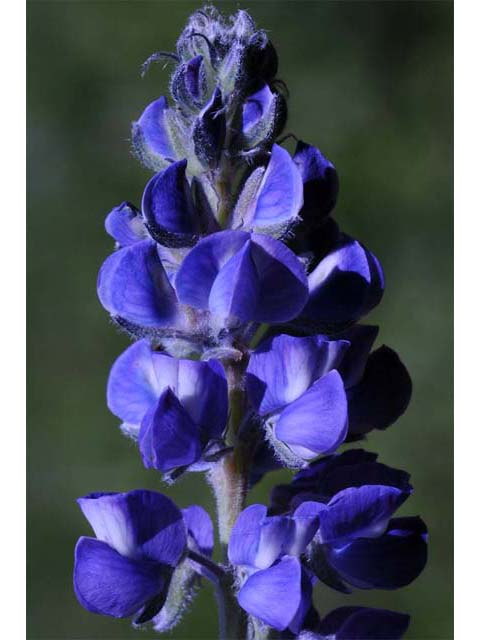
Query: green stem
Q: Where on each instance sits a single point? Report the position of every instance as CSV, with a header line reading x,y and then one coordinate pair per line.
x,y
258,335
232,620
229,481
229,477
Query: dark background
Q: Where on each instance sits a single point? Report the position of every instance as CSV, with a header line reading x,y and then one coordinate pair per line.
x,y
371,85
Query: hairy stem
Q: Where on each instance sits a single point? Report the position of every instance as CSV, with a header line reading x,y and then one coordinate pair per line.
x,y
232,620
229,480
229,476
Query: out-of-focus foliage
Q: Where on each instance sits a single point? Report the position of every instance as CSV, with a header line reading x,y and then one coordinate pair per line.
x,y
371,85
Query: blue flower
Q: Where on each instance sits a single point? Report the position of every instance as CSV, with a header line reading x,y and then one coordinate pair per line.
x,y
378,385
141,539
272,197
277,589
280,596
234,275
303,388
258,540
176,408
235,241
146,285
134,288
294,385
358,542
345,279
344,286
169,211
241,276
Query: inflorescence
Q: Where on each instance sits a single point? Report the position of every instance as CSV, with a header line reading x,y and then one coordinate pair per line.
x,y
243,297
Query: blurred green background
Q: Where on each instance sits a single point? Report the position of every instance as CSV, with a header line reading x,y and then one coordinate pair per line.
x,y
371,85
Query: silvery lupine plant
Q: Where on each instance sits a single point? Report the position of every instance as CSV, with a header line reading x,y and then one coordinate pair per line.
x,y
242,298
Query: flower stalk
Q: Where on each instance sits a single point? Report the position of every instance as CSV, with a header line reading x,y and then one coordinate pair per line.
x,y
229,478
243,298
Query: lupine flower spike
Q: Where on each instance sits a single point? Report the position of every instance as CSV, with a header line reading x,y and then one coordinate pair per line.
x,y
242,298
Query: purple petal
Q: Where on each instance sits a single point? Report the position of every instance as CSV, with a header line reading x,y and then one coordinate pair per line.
x,y
317,471
133,386
202,390
277,536
327,477
124,223
377,286
200,528
284,367
243,543
313,480
313,243
305,606
138,523
364,623
389,562
107,583
361,339
306,526
168,437
141,375
201,266
168,208
133,285
316,422
382,395
280,195
150,133
355,475
256,106
310,509
257,540
236,289
320,182
274,595
345,285
283,282
360,512
257,271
